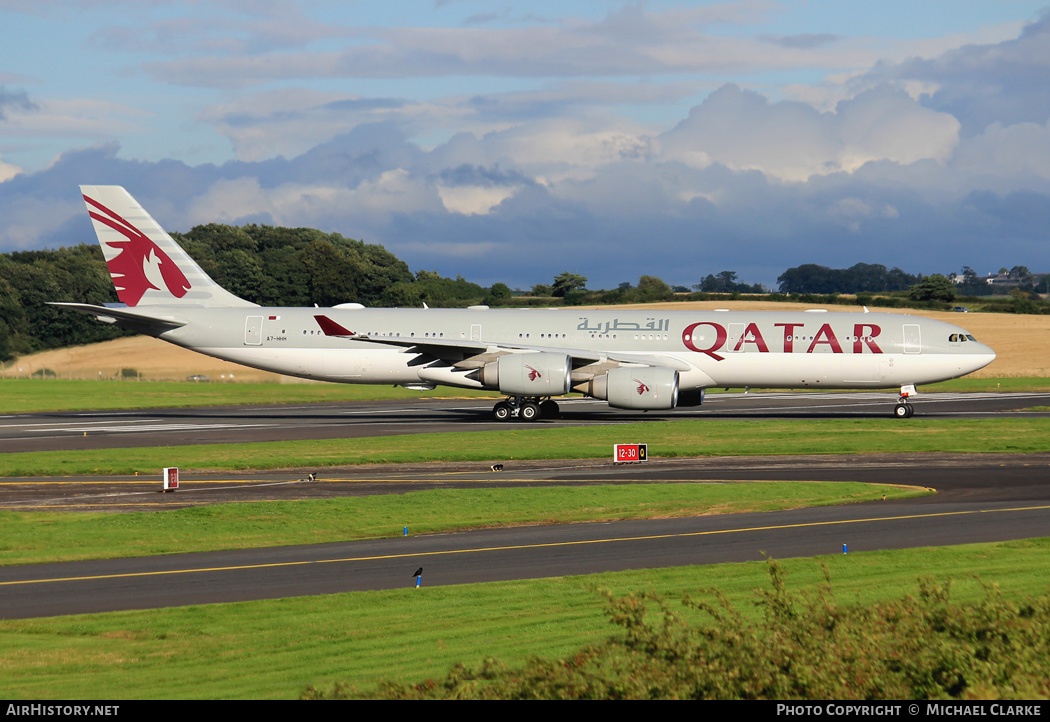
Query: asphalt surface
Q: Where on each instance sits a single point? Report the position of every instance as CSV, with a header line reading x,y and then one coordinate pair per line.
x,y
217,425
980,498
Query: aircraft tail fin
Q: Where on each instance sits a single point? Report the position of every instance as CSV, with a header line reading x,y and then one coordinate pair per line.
x,y
147,266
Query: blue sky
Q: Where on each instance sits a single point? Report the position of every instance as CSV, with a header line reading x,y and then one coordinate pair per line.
x,y
508,141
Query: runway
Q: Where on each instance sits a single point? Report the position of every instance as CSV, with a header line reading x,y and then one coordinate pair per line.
x,y
236,424
981,498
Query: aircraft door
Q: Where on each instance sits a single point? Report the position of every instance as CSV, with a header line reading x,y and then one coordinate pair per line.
x,y
736,330
253,331
912,338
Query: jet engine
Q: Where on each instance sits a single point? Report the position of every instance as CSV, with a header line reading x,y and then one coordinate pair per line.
x,y
528,374
636,388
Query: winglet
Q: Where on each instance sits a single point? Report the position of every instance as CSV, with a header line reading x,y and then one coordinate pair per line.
x,y
331,328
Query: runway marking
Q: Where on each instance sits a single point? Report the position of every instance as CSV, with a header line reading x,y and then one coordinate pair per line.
x,y
156,426
33,504
448,552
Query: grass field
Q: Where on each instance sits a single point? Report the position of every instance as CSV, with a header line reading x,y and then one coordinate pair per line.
x,y
40,395
274,649
31,537
678,438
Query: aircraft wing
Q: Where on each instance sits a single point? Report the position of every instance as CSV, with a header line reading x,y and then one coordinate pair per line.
x,y
447,348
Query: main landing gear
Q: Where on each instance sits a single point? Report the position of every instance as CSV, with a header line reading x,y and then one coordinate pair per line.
x,y
526,408
904,410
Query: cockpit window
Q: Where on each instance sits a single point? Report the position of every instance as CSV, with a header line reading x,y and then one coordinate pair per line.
x,y
954,338
970,337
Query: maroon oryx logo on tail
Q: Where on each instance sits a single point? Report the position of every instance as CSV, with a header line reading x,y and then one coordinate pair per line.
x,y
642,388
141,264
533,373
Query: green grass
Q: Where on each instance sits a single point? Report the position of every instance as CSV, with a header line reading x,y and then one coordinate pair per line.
x,y
274,649
31,537
970,384
32,395
678,438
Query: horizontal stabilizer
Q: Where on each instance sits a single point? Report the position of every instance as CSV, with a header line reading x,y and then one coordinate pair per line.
x,y
148,321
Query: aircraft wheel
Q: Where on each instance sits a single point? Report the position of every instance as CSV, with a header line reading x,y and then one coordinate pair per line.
x,y
549,409
903,411
501,411
530,412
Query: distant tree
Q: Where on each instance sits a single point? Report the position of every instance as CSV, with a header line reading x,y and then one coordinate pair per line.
x,y
565,282
1024,301
651,288
725,282
577,297
1019,272
1042,284
861,277
540,289
500,291
972,284
936,287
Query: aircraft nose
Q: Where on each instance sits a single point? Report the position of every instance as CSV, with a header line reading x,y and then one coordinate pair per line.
x,y
983,356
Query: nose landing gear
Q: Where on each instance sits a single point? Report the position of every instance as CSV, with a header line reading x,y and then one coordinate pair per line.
x,y
904,410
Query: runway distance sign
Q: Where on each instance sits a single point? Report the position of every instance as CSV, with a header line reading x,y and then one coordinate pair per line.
x,y
171,478
630,453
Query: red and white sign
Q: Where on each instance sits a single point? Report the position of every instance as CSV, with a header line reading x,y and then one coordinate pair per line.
x,y
630,453
171,478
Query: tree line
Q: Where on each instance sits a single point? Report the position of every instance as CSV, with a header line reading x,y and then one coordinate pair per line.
x,y
264,264
275,266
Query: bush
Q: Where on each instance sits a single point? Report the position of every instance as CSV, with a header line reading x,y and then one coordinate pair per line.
x,y
809,647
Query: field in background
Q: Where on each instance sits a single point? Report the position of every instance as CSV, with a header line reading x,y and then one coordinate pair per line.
x,y
1021,341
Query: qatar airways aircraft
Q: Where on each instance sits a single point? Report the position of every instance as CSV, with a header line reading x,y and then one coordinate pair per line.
x,y
645,359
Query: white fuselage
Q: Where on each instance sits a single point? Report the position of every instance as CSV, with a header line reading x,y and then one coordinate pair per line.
x,y
811,349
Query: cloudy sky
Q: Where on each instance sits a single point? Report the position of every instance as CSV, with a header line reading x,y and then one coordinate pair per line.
x,y
510,141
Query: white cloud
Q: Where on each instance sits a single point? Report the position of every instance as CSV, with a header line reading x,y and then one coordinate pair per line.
x,y
793,141
883,124
226,201
81,118
1018,151
8,171
630,41
472,200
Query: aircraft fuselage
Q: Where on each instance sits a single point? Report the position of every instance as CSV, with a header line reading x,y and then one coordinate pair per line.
x,y
714,348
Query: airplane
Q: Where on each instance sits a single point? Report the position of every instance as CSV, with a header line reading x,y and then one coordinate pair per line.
x,y
649,360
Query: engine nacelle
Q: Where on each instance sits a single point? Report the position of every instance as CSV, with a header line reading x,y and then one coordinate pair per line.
x,y
529,374
649,388
690,397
